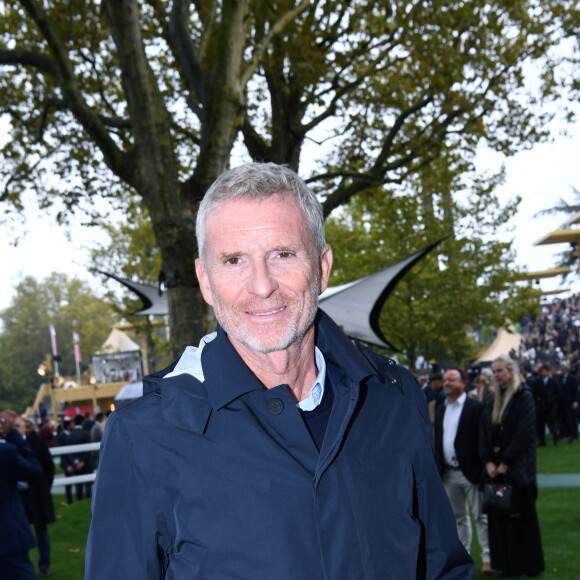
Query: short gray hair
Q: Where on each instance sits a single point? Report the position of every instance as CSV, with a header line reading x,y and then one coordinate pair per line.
x,y
260,181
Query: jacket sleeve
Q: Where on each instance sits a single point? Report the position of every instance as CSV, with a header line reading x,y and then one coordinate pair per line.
x,y
445,557
484,439
525,428
122,541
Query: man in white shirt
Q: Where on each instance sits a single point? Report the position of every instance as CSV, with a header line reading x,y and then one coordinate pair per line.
x,y
456,434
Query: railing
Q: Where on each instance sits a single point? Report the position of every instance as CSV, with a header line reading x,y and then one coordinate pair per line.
x,y
65,450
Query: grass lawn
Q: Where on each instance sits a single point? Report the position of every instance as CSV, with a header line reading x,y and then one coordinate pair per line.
x,y
558,510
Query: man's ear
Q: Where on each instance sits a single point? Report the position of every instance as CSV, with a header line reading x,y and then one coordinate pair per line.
x,y
325,267
203,281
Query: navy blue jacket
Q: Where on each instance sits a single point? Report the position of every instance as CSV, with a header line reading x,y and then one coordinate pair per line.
x,y
17,463
221,479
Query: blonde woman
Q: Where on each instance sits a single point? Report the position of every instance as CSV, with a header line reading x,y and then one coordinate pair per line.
x,y
507,445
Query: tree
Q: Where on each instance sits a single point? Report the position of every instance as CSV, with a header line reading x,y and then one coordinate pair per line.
x,y
68,304
461,284
151,96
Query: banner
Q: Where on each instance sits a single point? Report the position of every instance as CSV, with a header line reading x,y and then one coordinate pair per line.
x,y
76,339
53,340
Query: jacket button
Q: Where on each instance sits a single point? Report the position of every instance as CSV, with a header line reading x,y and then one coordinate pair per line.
x,y
391,362
275,406
394,381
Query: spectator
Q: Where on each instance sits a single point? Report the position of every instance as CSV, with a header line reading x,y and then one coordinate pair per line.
x,y
37,497
97,431
570,400
17,463
66,462
81,460
456,453
483,387
508,450
552,397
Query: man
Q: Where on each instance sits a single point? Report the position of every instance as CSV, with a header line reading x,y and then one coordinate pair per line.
x,y
80,462
456,440
434,394
66,462
279,448
36,497
570,400
17,463
552,395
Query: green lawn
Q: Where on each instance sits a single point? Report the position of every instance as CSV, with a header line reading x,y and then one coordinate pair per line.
x,y
68,536
558,510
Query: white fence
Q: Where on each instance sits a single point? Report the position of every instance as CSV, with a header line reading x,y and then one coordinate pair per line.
x,y
65,450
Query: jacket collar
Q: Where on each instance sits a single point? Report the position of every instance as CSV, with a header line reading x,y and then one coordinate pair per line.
x,y
188,402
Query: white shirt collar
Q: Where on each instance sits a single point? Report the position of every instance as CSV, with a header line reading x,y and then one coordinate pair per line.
x,y
459,402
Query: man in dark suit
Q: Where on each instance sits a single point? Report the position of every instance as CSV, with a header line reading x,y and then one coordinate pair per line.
x,y
17,463
36,496
81,461
552,397
456,433
570,400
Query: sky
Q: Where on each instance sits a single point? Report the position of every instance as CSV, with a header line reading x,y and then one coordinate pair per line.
x,y
541,176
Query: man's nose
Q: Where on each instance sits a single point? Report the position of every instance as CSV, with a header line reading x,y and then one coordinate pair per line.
x,y
262,281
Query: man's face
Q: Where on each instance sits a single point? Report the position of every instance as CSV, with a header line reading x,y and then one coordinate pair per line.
x,y
261,273
453,386
20,425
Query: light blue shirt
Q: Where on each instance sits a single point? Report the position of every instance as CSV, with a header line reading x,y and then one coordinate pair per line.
x,y
317,391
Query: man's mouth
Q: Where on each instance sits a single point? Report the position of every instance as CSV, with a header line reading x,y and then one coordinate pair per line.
x,y
269,313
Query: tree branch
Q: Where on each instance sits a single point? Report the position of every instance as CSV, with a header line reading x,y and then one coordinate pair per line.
x,y
28,58
184,52
277,27
65,76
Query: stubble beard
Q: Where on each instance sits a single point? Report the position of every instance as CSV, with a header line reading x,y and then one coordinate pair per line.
x,y
293,334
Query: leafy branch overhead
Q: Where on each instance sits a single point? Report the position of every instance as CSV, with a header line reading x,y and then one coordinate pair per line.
x,y
110,96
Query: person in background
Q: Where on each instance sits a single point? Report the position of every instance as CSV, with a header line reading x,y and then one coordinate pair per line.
x,y
553,396
36,495
457,457
80,460
507,446
66,463
483,387
570,400
279,449
97,431
17,463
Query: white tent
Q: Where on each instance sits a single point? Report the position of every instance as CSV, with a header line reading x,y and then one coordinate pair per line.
x,y
118,341
502,344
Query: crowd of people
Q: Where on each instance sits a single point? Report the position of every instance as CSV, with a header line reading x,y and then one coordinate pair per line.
x,y
27,471
487,423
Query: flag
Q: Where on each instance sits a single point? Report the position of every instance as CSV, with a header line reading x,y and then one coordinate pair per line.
x,y
53,340
78,357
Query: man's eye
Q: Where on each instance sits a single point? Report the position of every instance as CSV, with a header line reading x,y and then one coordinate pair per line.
x,y
284,254
233,261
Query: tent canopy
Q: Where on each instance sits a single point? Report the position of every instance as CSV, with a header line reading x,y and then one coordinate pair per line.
x,y
502,344
118,341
